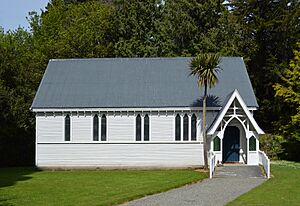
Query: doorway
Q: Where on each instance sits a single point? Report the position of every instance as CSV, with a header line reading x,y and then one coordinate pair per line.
x,y
231,145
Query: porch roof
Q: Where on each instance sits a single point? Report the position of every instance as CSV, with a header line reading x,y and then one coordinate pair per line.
x,y
229,100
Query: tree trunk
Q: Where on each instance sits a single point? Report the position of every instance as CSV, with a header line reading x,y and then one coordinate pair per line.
x,y
204,129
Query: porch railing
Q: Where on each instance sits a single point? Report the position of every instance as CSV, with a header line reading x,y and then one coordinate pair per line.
x,y
212,163
265,162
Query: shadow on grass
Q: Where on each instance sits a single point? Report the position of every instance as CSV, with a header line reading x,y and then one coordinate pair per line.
x,y
291,151
5,202
10,176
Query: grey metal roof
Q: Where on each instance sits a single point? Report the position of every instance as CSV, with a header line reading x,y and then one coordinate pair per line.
x,y
136,82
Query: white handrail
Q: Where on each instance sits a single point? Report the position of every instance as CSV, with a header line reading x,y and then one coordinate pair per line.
x,y
265,162
212,163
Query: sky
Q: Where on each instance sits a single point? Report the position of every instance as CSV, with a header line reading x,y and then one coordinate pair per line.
x,y
13,13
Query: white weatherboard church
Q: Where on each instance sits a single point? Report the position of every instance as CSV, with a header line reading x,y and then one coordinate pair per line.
x,y
142,112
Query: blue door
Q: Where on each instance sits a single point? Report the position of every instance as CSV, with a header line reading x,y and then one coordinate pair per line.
x,y
231,144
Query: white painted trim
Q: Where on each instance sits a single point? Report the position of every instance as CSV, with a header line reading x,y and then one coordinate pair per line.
x,y
235,95
126,142
140,109
142,127
190,126
181,126
36,140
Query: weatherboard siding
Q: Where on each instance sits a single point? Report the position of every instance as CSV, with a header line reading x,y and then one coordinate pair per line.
x,y
120,149
121,128
50,128
162,128
118,155
81,128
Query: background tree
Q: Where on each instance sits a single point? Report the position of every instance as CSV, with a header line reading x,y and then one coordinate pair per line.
x,y
74,30
205,68
288,93
136,24
270,31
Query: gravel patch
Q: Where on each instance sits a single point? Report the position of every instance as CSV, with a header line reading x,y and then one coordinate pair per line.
x,y
228,183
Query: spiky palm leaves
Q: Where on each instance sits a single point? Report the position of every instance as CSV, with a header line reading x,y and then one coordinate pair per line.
x,y
205,67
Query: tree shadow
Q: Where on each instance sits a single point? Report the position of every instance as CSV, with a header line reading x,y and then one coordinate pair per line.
x,y
10,176
291,151
5,202
211,101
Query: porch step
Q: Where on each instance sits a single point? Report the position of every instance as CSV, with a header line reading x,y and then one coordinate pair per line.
x,y
239,171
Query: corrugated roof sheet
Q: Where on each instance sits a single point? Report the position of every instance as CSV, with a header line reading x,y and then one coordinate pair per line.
x,y
136,82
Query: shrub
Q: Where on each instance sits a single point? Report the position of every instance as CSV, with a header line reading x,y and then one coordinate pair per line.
x,y
271,145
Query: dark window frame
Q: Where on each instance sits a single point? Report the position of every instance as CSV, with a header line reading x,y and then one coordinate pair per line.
x,y
67,128
185,127
252,143
103,127
177,128
138,128
217,144
146,128
95,128
193,127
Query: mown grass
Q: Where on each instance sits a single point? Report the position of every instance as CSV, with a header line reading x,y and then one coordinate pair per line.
x,y
282,189
26,186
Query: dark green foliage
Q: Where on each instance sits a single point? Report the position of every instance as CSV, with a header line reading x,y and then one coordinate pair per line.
x,y
17,146
74,30
288,93
270,30
290,150
271,145
137,27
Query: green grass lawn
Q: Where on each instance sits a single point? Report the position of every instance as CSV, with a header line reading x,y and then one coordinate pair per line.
x,y
282,189
26,186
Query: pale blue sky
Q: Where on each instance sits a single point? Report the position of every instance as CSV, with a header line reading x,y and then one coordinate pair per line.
x,y
13,13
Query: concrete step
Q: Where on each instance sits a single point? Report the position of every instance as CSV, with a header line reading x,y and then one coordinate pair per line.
x,y
238,171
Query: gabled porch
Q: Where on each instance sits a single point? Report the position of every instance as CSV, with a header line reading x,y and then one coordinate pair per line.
x,y
234,135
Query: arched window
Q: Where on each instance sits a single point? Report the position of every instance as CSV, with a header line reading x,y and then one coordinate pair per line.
x,y
217,144
103,128
177,128
67,128
96,128
252,143
146,128
185,127
138,128
194,128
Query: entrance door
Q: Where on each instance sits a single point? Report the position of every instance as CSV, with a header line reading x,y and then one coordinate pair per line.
x,y
231,144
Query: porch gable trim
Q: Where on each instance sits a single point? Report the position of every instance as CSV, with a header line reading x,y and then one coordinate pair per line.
x,y
235,95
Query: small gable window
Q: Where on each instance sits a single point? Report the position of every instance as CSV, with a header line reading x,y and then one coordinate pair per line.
x,y
67,128
177,127
138,128
194,128
252,143
146,128
217,144
103,127
96,128
185,127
